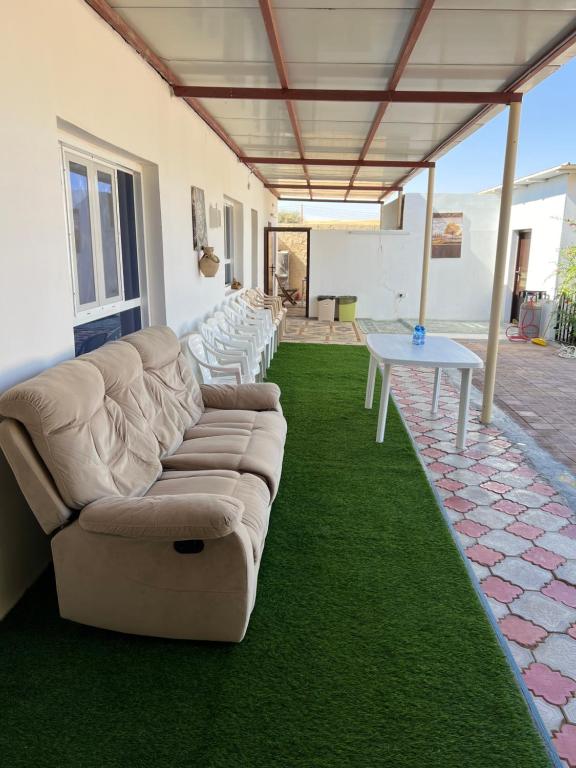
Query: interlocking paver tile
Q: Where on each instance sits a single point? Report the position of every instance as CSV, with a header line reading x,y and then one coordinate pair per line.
x,y
490,517
559,590
542,610
433,453
495,487
570,711
560,545
503,465
522,656
457,461
558,509
509,478
466,477
498,609
565,743
470,528
558,652
480,571
449,485
510,507
526,575
567,572
459,504
500,590
483,469
527,498
549,684
569,530
440,468
542,520
479,496
484,555
552,716
505,542
521,528
543,557
542,488
524,632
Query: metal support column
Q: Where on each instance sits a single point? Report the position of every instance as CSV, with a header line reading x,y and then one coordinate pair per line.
x,y
427,245
501,261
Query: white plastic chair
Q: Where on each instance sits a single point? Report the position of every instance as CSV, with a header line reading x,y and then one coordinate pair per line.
x,y
248,327
239,315
211,373
258,299
233,333
265,314
229,351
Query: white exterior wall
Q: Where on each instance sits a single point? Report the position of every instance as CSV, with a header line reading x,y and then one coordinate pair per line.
x,y
66,65
378,266
542,209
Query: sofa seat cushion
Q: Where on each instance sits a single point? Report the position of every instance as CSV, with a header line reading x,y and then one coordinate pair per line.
x,y
243,441
219,421
250,490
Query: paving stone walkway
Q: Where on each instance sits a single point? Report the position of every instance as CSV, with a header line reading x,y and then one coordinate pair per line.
x,y
519,535
303,330
538,390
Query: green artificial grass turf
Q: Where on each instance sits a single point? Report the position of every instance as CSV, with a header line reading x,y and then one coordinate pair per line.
x,y
367,648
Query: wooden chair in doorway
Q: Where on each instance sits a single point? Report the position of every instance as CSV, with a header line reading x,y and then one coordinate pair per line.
x,y
286,294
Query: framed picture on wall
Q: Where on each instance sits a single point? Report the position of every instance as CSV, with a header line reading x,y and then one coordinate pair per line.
x,y
447,235
199,230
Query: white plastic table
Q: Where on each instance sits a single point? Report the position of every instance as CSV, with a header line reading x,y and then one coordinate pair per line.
x,y
388,349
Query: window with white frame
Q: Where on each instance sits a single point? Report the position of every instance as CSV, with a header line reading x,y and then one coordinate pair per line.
x,y
228,243
102,207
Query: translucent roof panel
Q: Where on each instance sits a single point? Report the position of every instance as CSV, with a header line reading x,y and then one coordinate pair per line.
x,y
462,45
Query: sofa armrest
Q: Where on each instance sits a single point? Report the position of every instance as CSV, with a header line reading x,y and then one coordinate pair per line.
x,y
243,397
164,518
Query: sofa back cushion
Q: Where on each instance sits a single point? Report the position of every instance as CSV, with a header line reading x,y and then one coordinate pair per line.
x,y
174,400
91,446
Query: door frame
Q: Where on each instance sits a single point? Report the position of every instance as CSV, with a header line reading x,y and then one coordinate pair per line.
x,y
267,287
520,236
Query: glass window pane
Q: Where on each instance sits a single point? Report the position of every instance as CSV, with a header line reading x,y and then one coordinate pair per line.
x,y
82,233
90,336
108,234
128,237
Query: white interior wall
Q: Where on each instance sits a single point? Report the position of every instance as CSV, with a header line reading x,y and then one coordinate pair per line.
x,y
67,66
379,266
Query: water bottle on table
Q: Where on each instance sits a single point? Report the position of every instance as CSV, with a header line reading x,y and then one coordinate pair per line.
x,y
419,335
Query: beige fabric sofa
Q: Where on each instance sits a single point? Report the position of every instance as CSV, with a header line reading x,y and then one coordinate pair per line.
x,y
156,491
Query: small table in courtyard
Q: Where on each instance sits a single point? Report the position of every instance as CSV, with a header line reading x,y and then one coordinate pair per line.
x,y
388,349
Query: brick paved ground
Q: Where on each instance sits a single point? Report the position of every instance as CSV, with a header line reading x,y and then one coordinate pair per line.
x,y
538,390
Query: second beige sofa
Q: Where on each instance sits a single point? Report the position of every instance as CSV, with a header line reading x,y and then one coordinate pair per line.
x,y
156,491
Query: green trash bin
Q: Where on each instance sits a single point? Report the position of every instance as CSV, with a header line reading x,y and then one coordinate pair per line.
x,y
347,308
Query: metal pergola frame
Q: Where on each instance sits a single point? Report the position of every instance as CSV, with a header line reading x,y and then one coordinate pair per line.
x,y
509,95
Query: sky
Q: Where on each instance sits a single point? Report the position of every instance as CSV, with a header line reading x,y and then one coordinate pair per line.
x,y
547,138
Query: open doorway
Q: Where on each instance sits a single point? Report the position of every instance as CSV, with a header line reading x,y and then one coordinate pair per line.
x,y
520,271
287,267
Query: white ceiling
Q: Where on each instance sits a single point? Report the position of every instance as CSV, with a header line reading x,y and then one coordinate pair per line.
x,y
468,45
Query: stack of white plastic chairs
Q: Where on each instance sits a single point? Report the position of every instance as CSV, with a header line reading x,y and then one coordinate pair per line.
x,y
236,345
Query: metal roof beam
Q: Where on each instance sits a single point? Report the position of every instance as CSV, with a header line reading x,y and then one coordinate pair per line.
x,y
327,200
278,55
335,187
336,162
119,25
312,94
418,22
